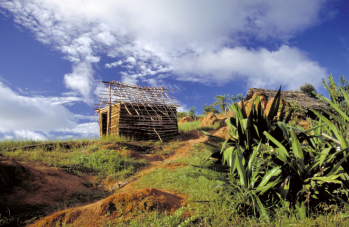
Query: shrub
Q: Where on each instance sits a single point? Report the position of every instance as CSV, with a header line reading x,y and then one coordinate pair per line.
x,y
208,109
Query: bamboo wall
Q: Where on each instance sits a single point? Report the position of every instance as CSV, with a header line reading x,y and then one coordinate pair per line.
x,y
139,121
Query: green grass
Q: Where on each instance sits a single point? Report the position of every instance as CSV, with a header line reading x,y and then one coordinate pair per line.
x,y
105,163
210,206
10,144
186,127
82,157
209,127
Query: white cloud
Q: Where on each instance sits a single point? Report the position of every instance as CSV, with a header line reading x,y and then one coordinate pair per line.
x,y
62,100
131,60
183,108
129,79
7,137
85,117
81,80
150,35
113,64
40,118
85,129
31,113
260,68
28,135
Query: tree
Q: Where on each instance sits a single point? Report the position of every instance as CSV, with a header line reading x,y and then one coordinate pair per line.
x,y
309,89
209,109
191,111
236,99
181,114
222,101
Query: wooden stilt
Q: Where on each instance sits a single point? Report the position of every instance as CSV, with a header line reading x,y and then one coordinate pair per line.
x,y
109,112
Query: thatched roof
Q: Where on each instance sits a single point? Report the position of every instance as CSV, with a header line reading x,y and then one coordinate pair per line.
x,y
303,99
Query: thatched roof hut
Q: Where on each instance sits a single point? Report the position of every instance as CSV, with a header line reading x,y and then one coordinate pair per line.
x,y
137,112
302,99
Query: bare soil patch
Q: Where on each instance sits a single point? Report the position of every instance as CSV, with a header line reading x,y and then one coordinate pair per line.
x,y
186,119
210,119
26,190
223,132
23,185
124,204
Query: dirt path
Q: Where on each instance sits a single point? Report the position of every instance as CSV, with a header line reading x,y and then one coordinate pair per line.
x,y
128,202
157,162
47,187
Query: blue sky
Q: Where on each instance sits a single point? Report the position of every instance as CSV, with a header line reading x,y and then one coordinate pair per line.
x,y
54,53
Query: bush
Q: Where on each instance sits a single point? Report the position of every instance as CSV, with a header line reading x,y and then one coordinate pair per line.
x,y
181,114
308,89
209,108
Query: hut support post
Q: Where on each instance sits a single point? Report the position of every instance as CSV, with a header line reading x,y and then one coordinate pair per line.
x,y
109,111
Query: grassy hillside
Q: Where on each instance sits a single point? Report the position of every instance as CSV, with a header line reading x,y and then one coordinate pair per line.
x,y
105,160
272,171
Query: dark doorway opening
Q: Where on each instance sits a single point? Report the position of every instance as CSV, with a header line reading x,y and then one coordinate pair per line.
x,y
104,123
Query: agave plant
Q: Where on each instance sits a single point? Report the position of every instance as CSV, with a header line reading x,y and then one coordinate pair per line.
x,y
310,177
247,132
243,155
339,128
272,163
255,179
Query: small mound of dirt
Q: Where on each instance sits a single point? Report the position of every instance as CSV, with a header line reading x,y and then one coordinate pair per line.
x,y
270,102
222,123
262,97
25,187
265,103
222,116
230,113
12,174
186,119
210,119
193,134
223,132
124,204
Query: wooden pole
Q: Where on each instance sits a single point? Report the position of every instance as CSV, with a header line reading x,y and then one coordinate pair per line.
x,y
109,111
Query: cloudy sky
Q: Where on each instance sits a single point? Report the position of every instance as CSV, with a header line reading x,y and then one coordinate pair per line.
x,y
54,54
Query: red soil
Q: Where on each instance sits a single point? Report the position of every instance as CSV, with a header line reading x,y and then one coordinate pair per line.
x,y
180,152
222,116
124,204
23,186
186,119
223,132
210,119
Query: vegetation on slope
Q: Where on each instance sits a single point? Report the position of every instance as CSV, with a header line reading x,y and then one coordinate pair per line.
x,y
270,172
